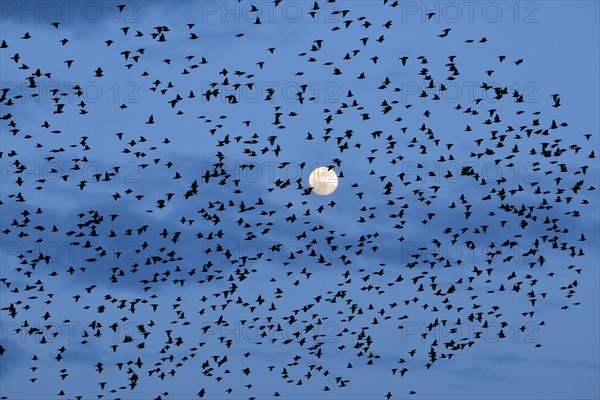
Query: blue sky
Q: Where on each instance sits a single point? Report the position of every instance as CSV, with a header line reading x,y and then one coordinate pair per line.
x,y
558,42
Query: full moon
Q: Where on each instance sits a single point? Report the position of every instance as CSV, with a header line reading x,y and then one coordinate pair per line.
x,y
323,181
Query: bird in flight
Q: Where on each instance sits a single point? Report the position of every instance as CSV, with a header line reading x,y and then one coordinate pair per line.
x,y
162,237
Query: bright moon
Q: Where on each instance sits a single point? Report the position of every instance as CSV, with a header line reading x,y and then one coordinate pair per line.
x,y
323,181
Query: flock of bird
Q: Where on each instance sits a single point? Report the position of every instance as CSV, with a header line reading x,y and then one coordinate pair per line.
x,y
183,286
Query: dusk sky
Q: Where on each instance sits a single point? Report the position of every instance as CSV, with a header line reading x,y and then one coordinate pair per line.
x,y
155,229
